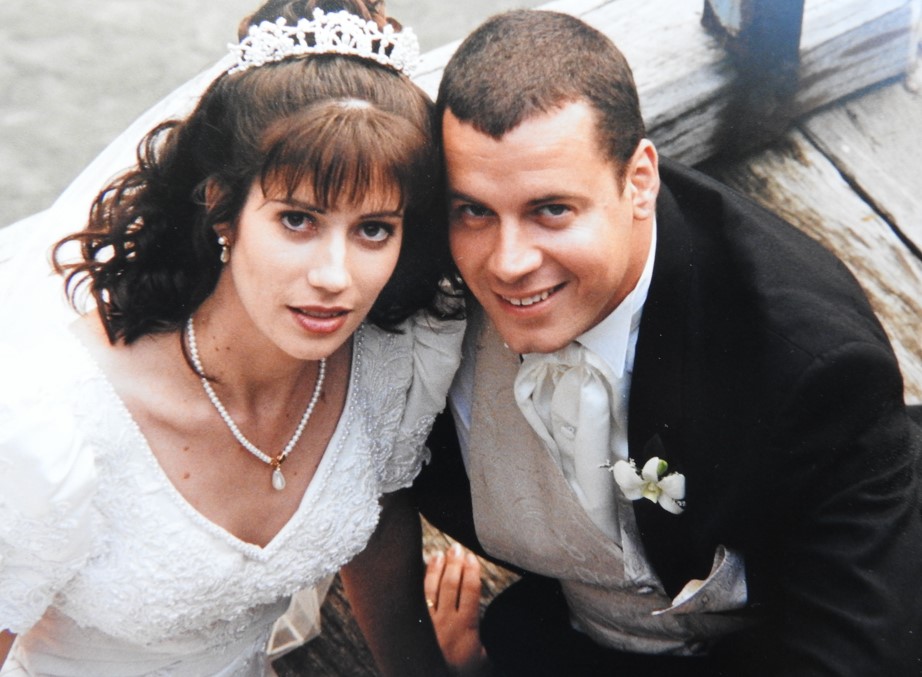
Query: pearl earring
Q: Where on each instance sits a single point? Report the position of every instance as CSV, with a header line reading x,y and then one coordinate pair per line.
x,y
225,248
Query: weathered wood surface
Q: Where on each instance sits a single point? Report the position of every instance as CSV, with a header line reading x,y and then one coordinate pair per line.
x,y
340,650
847,46
875,141
796,180
687,81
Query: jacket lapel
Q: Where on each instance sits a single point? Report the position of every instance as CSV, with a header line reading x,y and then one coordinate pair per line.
x,y
655,418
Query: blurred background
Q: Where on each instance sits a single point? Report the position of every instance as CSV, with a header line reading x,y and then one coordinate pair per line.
x,y
74,74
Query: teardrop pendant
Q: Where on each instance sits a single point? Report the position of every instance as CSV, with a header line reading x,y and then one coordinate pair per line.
x,y
278,479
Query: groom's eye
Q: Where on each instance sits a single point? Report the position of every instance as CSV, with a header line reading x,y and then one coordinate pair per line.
x,y
554,210
477,211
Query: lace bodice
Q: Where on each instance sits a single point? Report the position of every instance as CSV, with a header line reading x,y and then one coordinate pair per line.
x,y
97,545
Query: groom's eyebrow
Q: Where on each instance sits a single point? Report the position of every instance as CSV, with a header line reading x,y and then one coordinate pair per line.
x,y
458,195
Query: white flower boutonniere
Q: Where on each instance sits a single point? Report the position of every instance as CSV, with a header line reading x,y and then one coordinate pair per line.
x,y
651,483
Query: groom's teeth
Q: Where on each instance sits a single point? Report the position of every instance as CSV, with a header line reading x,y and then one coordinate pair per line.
x,y
530,300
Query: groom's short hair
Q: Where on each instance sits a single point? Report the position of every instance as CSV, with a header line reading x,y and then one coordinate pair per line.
x,y
527,62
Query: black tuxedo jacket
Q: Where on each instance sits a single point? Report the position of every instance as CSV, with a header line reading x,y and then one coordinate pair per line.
x,y
762,374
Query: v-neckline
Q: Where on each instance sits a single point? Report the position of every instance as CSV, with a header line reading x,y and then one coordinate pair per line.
x,y
327,460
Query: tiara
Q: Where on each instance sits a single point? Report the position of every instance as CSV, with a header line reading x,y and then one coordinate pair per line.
x,y
335,33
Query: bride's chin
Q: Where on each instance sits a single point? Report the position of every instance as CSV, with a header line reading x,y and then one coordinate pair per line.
x,y
314,351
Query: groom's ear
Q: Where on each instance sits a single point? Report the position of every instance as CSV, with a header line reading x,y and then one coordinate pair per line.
x,y
643,180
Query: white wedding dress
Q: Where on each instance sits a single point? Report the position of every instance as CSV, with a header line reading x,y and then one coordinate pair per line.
x,y
105,570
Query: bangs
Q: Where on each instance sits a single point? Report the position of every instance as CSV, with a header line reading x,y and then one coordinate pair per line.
x,y
347,150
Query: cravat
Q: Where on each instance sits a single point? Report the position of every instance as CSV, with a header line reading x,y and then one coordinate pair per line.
x,y
566,397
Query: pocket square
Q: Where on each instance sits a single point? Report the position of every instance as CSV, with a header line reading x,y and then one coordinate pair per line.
x,y
723,590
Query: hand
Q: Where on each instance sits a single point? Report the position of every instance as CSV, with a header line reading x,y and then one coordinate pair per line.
x,y
452,587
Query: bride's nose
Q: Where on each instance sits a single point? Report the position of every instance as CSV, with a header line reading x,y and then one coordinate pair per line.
x,y
329,270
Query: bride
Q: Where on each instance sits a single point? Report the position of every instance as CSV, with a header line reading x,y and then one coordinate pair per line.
x,y
263,341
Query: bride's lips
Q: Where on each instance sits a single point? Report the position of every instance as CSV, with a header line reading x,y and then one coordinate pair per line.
x,y
320,319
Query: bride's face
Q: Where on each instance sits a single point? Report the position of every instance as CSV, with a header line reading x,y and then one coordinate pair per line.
x,y
305,277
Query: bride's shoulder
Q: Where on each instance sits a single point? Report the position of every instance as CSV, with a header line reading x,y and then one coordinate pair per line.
x,y
402,380
420,337
423,352
38,365
44,459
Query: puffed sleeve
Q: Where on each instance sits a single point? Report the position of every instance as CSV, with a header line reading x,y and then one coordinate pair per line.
x,y
435,356
47,481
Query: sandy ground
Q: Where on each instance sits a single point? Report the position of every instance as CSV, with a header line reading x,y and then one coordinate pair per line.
x,y
74,73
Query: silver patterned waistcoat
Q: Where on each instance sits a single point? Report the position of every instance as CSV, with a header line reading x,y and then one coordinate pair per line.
x,y
526,513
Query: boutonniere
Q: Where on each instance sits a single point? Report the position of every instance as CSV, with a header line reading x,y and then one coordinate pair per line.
x,y
651,483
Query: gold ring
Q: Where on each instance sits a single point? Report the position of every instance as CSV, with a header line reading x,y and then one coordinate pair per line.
x,y
429,603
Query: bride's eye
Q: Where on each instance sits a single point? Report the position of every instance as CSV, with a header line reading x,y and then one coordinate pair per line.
x,y
296,220
376,231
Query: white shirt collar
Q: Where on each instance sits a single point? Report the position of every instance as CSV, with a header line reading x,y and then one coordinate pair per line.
x,y
610,339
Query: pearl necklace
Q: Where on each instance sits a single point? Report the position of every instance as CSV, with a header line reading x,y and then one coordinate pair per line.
x,y
278,479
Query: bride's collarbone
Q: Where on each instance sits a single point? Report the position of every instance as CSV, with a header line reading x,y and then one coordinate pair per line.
x,y
226,483
193,446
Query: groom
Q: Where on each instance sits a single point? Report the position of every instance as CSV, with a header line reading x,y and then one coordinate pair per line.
x,y
677,416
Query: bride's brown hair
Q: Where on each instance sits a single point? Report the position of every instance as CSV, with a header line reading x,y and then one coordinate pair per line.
x,y
149,254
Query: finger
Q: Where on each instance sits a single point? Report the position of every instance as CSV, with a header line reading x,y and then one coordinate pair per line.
x,y
450,587
469,594
433,580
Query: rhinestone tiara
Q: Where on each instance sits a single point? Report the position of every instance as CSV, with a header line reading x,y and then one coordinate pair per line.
x,y
334,33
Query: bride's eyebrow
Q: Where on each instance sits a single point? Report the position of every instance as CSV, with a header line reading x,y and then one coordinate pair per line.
x,y
396,214
309,207
298,204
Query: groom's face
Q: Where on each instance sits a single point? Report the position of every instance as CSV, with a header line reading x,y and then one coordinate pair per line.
x,y
543,232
